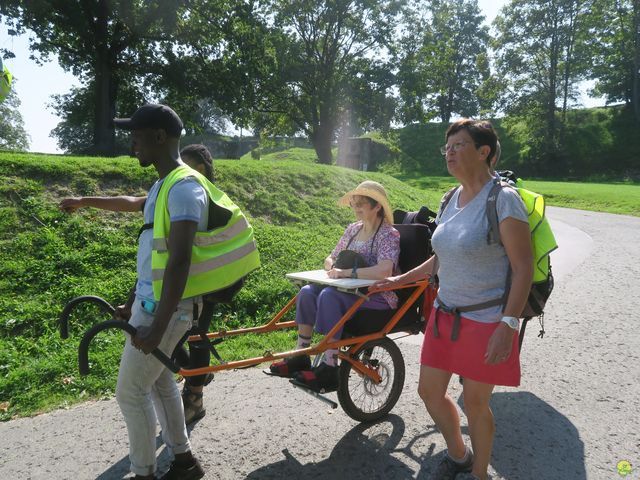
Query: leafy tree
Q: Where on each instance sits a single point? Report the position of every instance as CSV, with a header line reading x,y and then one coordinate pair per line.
x,y
74,133
614,43
320,52
218,64
12,133
370,104
538,54
200,56
105,43
443,62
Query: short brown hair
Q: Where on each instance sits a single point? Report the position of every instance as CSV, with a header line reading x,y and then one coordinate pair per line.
x,y
481,131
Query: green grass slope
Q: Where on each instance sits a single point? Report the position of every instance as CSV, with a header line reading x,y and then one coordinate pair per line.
x,y
50,257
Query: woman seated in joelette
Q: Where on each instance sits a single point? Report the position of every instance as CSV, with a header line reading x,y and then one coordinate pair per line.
x,y
372,236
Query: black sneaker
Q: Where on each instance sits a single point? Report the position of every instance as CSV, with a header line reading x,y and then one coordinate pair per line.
x,y
321,379
288,367
181,472
447,469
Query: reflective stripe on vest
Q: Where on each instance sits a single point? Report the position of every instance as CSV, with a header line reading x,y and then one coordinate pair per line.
x,y
213,263
219,258
160,244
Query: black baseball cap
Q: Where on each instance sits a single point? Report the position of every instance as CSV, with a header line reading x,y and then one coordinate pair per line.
x,y
152,115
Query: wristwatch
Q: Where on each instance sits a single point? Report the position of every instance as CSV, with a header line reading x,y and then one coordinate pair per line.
x,y
513,322
354,272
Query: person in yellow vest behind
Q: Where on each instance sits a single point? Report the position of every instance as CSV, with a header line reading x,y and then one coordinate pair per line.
x,y
179,259
5,81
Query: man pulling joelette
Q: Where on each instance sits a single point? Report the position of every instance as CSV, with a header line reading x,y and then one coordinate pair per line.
x,y
195,240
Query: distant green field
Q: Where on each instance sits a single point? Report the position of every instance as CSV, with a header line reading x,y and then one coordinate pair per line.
x,y
620,198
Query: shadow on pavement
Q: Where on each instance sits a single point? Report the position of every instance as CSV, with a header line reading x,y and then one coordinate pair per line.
x,y
533,440
121,469
363,453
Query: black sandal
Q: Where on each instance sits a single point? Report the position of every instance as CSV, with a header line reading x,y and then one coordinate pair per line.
x,y
290,366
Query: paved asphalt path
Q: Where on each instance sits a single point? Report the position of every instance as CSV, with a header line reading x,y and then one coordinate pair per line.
x,y
575,416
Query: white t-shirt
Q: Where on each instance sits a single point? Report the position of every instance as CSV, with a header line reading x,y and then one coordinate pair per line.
x,y
187,201
472,271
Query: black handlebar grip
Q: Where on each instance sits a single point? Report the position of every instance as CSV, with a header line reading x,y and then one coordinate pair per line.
x,y
83,349
64,316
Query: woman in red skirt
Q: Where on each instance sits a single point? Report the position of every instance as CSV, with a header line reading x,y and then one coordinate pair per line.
x,y
483,288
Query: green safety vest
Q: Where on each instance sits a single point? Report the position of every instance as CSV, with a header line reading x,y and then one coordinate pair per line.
x,y
219,257
5,82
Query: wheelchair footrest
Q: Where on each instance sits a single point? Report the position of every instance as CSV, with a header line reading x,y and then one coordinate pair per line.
x,y
313,393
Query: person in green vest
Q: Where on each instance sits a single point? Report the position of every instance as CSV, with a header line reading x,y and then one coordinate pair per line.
x,y
180,258
5,81
199,158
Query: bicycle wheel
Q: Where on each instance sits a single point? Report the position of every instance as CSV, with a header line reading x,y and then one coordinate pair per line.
x,y
360,397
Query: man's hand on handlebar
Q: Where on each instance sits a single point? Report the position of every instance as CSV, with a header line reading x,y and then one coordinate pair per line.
x,y
146,339
122,312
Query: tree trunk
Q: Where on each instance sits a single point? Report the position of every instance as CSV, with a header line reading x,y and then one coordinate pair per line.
x,y
635,94
321,139
568,61
106,88
444,112
551,140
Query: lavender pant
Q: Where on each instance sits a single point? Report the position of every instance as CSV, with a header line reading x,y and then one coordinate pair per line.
x,y
325,306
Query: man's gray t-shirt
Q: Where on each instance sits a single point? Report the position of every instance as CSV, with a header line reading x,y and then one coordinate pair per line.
x,y
472,271
187,201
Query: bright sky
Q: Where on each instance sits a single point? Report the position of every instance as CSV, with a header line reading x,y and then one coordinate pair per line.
x,y
35,84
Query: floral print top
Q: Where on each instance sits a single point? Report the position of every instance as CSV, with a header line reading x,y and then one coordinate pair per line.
x,y
385,245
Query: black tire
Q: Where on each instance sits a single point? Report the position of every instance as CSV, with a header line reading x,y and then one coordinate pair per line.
x,y
361,398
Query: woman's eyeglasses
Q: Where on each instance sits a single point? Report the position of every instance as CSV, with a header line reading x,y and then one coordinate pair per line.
x,y
358,203
455,146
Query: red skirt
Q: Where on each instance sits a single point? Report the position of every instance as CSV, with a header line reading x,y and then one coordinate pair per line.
x,y
465,356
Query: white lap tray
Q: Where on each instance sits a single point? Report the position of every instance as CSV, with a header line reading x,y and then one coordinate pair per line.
x,y
350,285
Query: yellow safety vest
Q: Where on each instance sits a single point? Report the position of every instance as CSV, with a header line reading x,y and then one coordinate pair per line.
x,y
219,257
5,82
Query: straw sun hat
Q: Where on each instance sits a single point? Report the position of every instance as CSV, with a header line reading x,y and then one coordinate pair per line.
x,y
370,189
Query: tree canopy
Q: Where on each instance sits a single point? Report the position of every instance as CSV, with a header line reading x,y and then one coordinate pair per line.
x,y
105,43
443,61
335,68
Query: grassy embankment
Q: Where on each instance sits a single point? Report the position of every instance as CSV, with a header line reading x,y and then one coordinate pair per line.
x,y
50,257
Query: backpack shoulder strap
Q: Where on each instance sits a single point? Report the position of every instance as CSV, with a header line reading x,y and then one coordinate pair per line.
x,y
493,235
446,198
